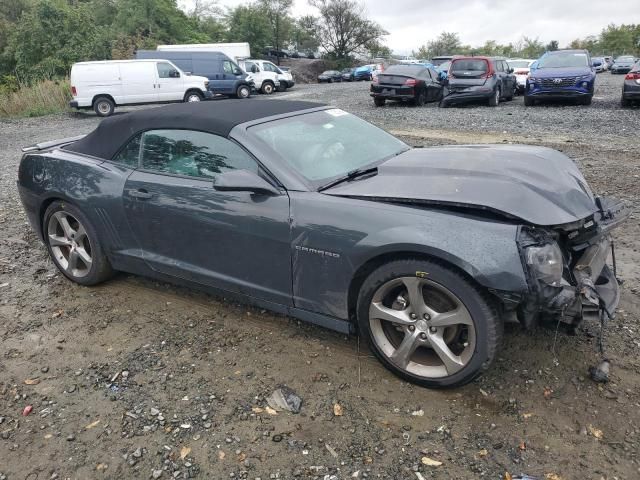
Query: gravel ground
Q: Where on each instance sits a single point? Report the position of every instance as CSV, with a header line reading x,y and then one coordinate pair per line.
x,y
138,379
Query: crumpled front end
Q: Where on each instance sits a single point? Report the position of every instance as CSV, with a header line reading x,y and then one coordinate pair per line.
x,y
571,268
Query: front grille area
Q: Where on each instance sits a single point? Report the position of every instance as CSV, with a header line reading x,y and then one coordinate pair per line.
x,y
553,83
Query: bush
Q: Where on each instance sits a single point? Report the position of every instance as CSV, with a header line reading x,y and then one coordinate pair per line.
x,y
42,98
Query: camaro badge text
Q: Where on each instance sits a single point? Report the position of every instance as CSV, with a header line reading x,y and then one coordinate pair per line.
x,y
317,251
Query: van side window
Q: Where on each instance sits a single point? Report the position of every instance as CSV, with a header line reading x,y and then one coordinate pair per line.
x,y
193,153
270,67
227,66
165,69
130,154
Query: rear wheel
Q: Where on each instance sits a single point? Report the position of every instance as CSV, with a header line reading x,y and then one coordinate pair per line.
x,y
243,91
193,96
494,101
427,323
103,106
379,102
421,98
73,244
268,88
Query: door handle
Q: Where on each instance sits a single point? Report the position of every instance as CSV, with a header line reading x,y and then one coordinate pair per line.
x,y
141,193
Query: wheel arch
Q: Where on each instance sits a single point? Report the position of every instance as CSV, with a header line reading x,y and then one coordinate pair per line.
x,y
106,95
434,255
43,208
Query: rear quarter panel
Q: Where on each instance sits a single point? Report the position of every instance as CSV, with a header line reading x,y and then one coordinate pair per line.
x,y
93,185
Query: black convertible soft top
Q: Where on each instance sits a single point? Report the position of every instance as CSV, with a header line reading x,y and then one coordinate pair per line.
x,y
218,117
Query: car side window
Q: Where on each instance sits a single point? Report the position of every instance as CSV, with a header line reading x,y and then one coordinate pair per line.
x,y
130,154
192,153
165,69
269,68
499,66
227,66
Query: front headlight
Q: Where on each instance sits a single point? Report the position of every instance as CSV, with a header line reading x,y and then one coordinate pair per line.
x,y
546,263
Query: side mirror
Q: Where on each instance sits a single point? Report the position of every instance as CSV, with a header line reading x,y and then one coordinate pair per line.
x,y
243,181
237,71
174,74
254,69
510,70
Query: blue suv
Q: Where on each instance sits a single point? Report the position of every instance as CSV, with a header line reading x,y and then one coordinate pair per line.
x,y
561,74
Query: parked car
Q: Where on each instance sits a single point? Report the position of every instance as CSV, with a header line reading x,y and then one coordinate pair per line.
x,y
317,214
437,61
623,64
364,72
106,84
609,61
224,75
561,74
406,83
330,76
347,74
631,86
272,52
599,64
473,79
521,68
265,75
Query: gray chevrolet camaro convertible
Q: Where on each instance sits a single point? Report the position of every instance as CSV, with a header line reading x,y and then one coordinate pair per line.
x,y
307,210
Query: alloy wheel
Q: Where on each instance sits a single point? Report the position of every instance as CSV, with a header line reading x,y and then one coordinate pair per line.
x,y
69,244
422,327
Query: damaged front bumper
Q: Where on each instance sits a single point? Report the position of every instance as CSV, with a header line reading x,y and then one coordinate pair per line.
x,y
588,287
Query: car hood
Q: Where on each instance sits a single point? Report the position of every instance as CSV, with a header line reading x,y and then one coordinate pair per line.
x,y
538,185
560,72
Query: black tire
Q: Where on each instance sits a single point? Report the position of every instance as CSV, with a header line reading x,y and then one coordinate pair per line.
x,y
528,101
100,269
494,101
586,100
421,98
103,106
267,88
512,94
192,95
282,87
330,80
243,91
625,102
487,324
379,102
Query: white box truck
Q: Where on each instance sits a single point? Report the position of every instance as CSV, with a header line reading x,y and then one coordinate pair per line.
x,y
103,85
235,51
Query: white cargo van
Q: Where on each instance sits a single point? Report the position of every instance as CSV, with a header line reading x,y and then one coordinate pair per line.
x,y
105,84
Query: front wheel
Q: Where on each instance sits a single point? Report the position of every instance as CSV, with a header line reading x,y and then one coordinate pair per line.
x,y
73,244
193,96
427,323
586,100
528,101
268,88
243,91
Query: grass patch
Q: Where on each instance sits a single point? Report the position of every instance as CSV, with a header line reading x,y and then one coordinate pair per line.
x,y
42,98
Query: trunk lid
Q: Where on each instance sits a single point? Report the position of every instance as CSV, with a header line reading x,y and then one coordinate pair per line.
x,y
538,185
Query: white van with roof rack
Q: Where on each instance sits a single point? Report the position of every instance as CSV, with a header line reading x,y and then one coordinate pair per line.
x,y
103,85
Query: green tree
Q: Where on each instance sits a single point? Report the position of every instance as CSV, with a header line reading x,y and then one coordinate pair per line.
x,y
552,46
344,29
280,22
531,47
247,23
305,34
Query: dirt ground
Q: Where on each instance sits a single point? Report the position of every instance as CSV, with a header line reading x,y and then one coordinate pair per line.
x,y
137,379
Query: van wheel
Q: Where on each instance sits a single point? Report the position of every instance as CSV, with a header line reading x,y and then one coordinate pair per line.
x,y
268,88
243,91
103,106
193,96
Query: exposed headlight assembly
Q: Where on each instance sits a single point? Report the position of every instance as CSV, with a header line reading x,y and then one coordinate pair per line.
x,y
546,263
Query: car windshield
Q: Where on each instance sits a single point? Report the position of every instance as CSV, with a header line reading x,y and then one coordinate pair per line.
x,y
625,59
519,63
564,60
326,145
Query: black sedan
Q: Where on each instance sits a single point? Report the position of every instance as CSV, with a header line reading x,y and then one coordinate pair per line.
x,y
623,64
416,84
631,86
330,76
309,211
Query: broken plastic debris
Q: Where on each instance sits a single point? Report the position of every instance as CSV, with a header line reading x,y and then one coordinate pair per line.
x,y
27,410
284,398
337,410
430,462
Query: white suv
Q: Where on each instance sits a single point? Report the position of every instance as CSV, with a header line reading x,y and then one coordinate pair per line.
x,y
266,75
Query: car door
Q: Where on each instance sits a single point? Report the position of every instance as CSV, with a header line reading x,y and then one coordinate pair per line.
x,y
509,85
236,241
170,82
231,74
138,82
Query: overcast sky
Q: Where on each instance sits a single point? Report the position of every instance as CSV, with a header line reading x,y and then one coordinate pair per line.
x,y
412,23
